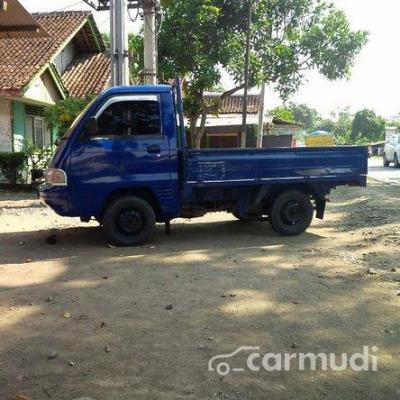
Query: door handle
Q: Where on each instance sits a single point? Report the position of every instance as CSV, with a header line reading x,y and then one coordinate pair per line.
x,y
154,149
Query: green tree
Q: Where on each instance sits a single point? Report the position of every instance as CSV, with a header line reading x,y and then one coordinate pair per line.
x,y
283,113
327,125
340,125
107,40
368,125
60,115
393,122
198,39
343,126
309,117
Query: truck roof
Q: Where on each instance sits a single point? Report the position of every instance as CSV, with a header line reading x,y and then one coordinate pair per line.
x,y
137,89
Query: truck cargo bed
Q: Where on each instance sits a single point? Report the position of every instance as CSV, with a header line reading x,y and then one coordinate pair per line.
x,y
340,165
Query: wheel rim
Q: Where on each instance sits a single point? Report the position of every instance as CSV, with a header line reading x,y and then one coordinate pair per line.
x,y
130,222
292,213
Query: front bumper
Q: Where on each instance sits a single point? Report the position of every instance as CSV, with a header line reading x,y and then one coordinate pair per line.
x,y
56,197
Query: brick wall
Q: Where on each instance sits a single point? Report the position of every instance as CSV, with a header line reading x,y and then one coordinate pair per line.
x,y
5,125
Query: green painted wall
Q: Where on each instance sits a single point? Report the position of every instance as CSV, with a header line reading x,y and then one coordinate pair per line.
x,y
18,115
54,135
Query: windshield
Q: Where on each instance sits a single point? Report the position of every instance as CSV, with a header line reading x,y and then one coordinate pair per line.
x,y
77,120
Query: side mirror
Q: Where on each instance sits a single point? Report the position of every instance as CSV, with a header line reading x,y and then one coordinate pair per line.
x,y
91,126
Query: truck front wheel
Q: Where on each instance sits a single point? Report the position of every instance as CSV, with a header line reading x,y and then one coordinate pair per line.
x,y
129,221
291,213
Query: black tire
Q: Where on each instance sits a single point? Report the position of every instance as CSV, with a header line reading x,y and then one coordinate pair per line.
x,y
129,221
396,161
385,161
291,213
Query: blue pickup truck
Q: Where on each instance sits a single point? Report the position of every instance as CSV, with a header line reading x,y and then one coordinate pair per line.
x,y
125,162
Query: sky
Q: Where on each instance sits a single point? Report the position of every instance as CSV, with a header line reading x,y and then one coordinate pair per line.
x,y
375,79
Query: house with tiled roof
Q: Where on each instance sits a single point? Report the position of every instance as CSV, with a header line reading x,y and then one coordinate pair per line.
x,y
223,130
70,61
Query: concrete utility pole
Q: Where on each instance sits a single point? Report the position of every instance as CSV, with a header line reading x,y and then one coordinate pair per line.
x,y
119,37
119,43
261,112
246,76
150,42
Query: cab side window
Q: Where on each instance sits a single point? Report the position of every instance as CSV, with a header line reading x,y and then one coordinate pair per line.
x,y
130,118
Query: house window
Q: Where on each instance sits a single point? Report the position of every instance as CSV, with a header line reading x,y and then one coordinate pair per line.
x,y
37,132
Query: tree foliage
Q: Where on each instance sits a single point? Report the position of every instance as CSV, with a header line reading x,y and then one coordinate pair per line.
x,y
60,115
199,38
343,126
12,166
367,124
327,125
302,113
283,113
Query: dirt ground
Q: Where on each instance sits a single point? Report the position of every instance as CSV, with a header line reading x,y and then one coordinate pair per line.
x,y
81,319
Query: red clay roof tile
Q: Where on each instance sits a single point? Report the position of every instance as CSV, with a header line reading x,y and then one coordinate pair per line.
x,y
88,74
22,58
234,104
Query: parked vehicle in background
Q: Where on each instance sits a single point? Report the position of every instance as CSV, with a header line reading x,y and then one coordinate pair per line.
x,y
125,162
392,151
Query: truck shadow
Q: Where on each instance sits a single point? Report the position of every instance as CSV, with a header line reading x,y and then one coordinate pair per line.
x,y
144,322
20,246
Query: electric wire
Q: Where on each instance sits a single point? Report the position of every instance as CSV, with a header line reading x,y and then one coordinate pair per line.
x,y
160,25
136,16
66,7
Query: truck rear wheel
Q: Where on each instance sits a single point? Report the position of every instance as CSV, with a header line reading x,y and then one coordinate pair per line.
x,y
291,213
129,221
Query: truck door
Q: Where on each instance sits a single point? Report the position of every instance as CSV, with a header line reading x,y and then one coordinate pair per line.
x,y
128,149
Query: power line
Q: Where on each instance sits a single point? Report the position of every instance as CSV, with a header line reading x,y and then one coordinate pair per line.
x,y
136,16
160,25
71,5
104,21
104,5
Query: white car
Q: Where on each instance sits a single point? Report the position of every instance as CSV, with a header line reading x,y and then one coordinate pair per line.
x,y
392,151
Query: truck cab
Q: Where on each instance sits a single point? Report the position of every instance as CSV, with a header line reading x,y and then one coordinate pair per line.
x,y
125,162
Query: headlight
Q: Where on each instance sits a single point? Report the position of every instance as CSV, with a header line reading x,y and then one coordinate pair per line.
x,y
56,177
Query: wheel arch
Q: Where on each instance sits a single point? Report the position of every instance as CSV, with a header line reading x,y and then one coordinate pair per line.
x,y
318,194
143,193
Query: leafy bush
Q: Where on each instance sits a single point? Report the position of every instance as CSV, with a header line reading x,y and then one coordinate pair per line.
x,y
12,166
61,115
37,157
